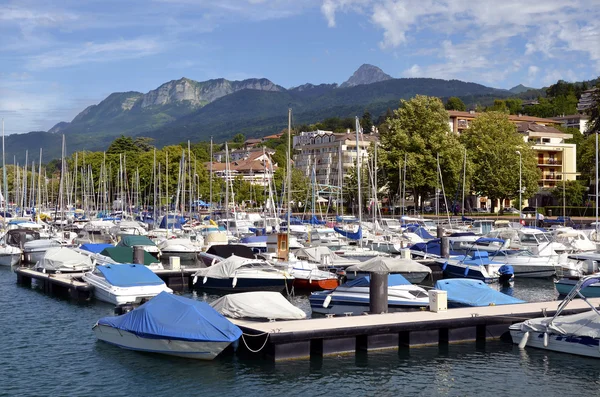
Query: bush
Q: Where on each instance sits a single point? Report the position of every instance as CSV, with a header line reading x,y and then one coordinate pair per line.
x,y
571,211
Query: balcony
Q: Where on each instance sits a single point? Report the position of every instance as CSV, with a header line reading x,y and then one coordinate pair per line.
x,y
551,177
549,162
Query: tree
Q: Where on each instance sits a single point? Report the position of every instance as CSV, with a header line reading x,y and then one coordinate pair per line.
x,y
492,142
143,144
420,130
122,144
366,122
594,111
239,138
572,191
455,103
499,106
300,185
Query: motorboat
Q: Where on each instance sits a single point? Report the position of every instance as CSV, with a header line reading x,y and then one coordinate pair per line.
x,y
172,325
477,266
119,284
575,241
257,305
131,240
565,285
464,292
324,257
575,334
183,248
125,255
412,270
9,255
33,251
63,260
353,297
307,275
237,274
218,253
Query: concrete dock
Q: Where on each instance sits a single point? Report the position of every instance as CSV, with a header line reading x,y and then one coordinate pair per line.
x,y
320,337
69,285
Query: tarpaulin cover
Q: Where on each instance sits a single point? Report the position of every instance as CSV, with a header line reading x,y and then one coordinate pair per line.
x,y
130,240
393,279
313,221
582,324
433,247
391,265
258,305
228,267
351,235
317,254
177,243
225,251
129,275
254,239
62,258
125,255
169,316
171,222
95,248
468,292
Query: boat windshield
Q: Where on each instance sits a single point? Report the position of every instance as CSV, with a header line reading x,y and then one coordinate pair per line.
x,y
391,223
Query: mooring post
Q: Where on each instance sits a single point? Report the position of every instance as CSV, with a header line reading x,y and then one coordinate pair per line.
x,y
138,254
440,231
445,247
378,293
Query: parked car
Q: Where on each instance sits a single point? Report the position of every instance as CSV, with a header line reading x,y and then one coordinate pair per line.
x,y
510,210
481,210
528,210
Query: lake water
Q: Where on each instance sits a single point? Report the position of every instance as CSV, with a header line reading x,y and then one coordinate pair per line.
x,y
48,348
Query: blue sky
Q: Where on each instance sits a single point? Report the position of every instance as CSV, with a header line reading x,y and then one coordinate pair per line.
x,y
56,58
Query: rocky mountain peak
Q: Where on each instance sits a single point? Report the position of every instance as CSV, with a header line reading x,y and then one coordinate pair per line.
x,y
366,74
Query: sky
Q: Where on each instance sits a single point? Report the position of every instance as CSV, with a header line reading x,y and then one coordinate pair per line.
x,y
57,58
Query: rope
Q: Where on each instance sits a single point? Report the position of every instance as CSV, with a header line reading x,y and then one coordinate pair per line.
x,y
263,345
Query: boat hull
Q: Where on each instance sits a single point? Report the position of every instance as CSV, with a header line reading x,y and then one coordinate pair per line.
x,y
564,286
353,304
453,271
412,277
315,285
9,259
225,285
184,256
582,346
201,350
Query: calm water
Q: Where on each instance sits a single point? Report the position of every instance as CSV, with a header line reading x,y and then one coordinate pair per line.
x,y
48,348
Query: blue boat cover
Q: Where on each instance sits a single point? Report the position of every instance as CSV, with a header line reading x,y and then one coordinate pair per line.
x,y
129,275
393,279
313,221
423,233
254,239
489,240
341,219
171,222
95,248
351,235
431,247
168,316
468,292
462,234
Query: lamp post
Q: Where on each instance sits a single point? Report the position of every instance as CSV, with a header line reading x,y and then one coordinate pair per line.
x,y
520,183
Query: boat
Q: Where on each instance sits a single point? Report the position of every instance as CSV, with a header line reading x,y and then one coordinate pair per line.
x,y
237,274
9,255
353,297
125,255
464,292
566,284
183,248
33,251
257,305
172,325
307,275
476,266
119,284
575,334
63,260
412,270
131,240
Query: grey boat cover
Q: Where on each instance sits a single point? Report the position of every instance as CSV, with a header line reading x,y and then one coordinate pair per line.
x,y
260,305
391,265
582,324
227,268
64,259
40,245
317,254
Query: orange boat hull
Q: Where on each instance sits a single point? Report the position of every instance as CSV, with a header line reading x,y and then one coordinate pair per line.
x,y
316,285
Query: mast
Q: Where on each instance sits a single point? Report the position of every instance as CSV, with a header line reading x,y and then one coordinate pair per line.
x,y
465,182
210,199
227,184
4,176
39,200
597,132
358,178
61,185
191,192
340,180
289,180
154,191
404,184
24,197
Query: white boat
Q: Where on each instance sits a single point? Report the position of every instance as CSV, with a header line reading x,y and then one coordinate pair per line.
x,y
353,297
180,247
575,334
9,255
63,260
119,284
33,251
172,325
412,270
258,305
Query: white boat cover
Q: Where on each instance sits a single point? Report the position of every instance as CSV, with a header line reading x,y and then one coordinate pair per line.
x,y
63,258
258,305
40,244
228,267
317,254
174,242
582,324
391,265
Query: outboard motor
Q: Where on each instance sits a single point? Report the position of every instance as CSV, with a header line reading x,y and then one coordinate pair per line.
x,y
124,308
506,273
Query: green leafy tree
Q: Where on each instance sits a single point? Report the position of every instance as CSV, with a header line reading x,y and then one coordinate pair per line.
x,y
492,142
300,185
239,138
420,130
122,144
455,103
366,122
594,112
572,191
498,106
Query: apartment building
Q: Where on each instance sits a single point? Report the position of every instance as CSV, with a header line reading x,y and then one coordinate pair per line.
x,y
254,166
323,152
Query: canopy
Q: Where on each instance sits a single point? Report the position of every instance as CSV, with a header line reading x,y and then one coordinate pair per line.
x,y
225,251
258,305
95,248
420,231
36,244
468,292
391,265
129,275
351,235
131,240
228,267
62,258
125,255
175,317
393,279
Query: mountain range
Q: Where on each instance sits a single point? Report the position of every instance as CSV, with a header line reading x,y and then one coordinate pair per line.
x,y
185,109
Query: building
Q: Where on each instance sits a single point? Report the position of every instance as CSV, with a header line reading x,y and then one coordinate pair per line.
x,y
322,152
460,121
255,166
579,121
586,101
